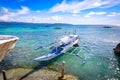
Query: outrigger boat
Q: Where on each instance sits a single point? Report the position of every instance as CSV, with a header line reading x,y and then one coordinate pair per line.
x,y
62,45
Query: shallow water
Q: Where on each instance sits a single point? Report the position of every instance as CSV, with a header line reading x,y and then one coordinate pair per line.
x,y
95,59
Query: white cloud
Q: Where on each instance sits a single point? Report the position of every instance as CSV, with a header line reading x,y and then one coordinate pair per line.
x,y
110,3
119,14
100,13
114,14
38,19
38,11
24,10
7,15
97,4
74,15
4,18
83,5
26,15
5,10
94,13
56,18
89,14
75,12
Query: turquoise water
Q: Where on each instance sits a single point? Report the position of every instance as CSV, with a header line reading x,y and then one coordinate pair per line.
x,y
95,61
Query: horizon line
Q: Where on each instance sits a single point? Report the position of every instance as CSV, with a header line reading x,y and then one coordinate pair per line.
x,y
59,23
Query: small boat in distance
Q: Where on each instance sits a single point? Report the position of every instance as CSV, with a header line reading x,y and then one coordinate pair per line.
x,y
62,45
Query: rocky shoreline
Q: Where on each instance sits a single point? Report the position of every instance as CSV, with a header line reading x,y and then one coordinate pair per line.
x,y
30,74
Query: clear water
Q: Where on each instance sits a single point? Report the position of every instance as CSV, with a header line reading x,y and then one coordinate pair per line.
x,y
95,61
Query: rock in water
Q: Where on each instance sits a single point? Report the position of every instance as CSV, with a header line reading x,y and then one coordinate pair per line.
x,y
117,49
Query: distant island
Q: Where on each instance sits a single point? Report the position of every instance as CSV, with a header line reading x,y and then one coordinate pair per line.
x,y
57,24
57,28
107,27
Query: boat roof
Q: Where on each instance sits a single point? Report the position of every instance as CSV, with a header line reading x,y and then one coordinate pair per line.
x,y
66,39
74,35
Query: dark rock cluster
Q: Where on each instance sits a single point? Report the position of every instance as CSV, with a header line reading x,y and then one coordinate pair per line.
x,y
117,49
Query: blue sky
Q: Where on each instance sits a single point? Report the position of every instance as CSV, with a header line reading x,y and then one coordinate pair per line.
x,y
61,11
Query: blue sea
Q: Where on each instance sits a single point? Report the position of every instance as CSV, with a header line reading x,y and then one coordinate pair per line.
x,y
95,61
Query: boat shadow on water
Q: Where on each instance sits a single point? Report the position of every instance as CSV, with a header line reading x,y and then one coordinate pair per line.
x,y
41,65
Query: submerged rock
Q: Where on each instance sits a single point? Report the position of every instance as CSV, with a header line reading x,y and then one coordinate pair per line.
x,y
117,49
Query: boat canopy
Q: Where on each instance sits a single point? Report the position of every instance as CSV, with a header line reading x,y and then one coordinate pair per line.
x,y
67,39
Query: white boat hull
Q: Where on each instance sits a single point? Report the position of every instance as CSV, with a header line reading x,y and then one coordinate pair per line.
x,y
7,43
